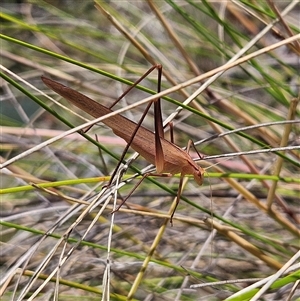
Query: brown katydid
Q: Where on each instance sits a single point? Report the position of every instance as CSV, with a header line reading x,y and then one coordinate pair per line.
x,y
165,155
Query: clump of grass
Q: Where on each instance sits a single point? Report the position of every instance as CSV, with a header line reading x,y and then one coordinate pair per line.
x,y
59,237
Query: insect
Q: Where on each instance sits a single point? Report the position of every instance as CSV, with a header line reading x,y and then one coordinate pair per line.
x,y
165,155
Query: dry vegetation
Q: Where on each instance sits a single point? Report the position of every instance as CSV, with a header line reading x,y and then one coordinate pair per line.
x,y
59,238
